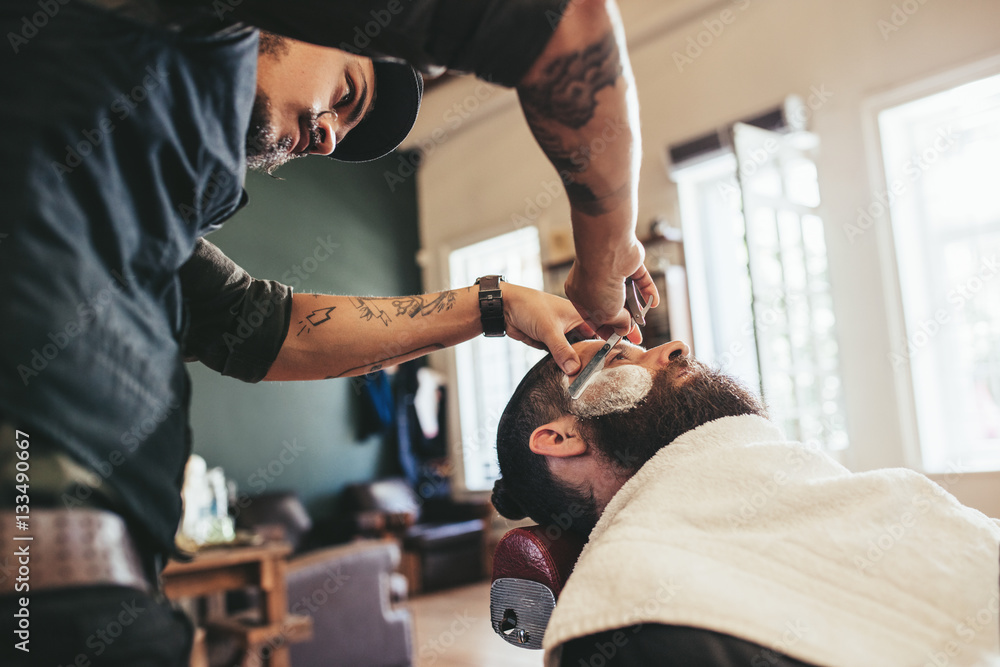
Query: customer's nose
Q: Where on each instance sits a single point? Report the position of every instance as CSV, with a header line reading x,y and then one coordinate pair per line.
x,y
668,352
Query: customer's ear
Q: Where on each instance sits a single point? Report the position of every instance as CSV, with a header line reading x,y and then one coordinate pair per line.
x,y
558,438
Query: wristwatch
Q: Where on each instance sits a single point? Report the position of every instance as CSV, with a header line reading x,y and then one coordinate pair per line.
x,y
491,306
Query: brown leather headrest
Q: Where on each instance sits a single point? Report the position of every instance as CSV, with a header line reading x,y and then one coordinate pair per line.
x,y
537,553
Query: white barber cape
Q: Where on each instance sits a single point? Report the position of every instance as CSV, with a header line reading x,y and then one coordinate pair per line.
x,y
733,529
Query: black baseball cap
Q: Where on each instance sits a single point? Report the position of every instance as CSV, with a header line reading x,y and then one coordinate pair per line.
x,y
398,89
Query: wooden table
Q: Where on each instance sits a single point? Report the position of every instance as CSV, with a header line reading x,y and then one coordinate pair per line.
x,y
212,572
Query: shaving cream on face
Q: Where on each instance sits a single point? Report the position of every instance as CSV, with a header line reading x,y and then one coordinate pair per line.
x,y
612,390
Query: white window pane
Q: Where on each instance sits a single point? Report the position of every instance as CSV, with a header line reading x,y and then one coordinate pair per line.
x,y
771,326
941,152
489,369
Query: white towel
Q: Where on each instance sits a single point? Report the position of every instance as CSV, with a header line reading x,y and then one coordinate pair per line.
x,y
732,529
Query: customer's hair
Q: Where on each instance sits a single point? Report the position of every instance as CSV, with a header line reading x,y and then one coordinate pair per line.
x,y
539,399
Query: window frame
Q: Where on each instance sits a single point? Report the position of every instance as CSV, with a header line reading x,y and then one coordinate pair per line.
x,y
911,455
702,264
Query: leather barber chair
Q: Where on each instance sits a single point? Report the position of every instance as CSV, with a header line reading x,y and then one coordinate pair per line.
x,y
530,568
442,541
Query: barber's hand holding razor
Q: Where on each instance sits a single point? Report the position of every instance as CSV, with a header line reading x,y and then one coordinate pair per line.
x,y
597,288
542,321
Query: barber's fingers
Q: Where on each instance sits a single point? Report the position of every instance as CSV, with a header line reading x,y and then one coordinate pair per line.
x,y
634,335
557,345
538,318
644,282
599,298
601,301
647,288
623,325
520,337
563,353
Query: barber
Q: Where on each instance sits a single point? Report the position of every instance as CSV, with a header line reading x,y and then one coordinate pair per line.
x,y
568,61
123,145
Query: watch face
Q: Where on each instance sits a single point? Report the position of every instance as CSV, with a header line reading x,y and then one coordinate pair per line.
x,y
492,281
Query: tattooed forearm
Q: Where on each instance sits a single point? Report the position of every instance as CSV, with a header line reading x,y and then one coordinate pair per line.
x,y
416,305
584,199
314,319
370,310
567,91
377,365
551,143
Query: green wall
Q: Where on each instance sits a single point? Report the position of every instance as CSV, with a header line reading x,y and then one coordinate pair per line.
x,y
245,427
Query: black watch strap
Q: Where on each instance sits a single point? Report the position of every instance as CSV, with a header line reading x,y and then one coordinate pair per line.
x,y
491,306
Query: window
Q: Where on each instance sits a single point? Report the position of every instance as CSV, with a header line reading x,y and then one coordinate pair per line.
x,y
940,155
757,270
489,369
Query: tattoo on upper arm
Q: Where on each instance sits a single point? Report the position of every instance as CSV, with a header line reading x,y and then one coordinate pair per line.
x,y
314,319
567,91
416,305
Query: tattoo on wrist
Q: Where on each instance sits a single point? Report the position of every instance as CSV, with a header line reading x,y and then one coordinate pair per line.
x,y
567,91
314,319
411,306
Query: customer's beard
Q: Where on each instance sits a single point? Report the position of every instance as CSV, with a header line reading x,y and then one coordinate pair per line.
x,y
265,150
627,440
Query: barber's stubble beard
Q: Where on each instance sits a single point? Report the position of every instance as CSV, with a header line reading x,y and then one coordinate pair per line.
x,y
265,150
626,440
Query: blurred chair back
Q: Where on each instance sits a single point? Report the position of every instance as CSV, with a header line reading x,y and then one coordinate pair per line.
x,y
281,508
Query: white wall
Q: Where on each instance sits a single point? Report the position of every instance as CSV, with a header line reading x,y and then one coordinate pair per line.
x,y
479,170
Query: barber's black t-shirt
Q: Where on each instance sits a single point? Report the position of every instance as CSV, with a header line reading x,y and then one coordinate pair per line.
x,y
236,324
497,40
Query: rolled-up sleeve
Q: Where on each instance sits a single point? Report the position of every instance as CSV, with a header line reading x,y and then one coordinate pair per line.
x,y
236,323
498,40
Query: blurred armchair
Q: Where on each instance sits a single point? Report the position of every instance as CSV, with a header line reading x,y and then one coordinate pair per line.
x,y
443,541
351,592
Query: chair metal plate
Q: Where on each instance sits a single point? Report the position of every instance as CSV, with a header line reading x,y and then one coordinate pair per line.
x,y
520,610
